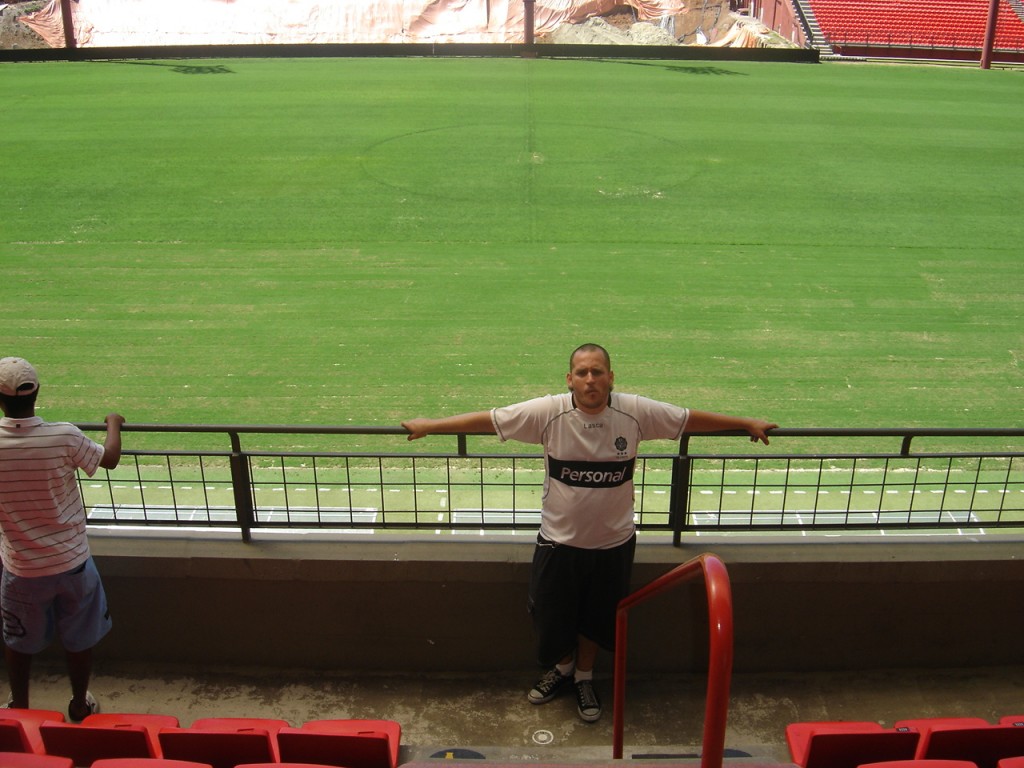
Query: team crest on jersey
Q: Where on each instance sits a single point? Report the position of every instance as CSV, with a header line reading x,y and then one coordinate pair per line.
x,y
620,443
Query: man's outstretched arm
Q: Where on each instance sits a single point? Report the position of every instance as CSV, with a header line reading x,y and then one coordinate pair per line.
x,y
704,421
480,421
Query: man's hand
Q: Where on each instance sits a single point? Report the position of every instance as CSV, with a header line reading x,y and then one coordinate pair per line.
x,y
417,428
758,430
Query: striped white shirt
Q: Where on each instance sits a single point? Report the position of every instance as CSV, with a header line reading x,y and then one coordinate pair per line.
x,y
41,511
590,459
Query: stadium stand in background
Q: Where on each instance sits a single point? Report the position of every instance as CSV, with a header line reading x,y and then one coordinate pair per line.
x,y
949,30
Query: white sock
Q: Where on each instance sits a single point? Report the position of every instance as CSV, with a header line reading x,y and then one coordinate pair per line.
x,y
581,675
565,669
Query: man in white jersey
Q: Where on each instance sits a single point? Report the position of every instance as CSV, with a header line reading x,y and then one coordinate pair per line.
x,y
49,582
584,555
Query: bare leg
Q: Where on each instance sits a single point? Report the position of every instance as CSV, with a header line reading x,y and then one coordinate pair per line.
x,y
19,670
80,671
586,654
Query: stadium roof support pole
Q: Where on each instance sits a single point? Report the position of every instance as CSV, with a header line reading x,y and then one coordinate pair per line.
x,y
528,22
990,34
68,22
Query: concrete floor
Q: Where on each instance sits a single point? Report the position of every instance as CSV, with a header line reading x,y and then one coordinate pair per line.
x,y
453,716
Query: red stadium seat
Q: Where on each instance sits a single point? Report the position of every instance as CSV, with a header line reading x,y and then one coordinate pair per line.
x,y
921,764
798,735
900,22
363,727
32,760
147,762
29,719
1017,720
348,743
85,744
14,739
848,744
925,725
219,748
152,724
1012,762
242,725
270,725
983,745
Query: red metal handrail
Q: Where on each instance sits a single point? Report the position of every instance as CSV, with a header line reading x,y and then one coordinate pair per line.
x,y
716,708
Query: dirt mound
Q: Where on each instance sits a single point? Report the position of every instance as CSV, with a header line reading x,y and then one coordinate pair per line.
x,y
711,23
598,31
14,34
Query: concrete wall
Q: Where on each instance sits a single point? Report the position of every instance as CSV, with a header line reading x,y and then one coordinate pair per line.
x,y
780,17
370,602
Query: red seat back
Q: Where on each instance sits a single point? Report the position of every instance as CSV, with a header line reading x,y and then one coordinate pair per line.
x,y
146,762
30,720
984,746
85,744
350,750
798,735
850,750
152,724
13,737
363,727
268,724
217,748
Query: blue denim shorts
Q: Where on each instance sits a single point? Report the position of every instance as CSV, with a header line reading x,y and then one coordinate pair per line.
x,y
72,605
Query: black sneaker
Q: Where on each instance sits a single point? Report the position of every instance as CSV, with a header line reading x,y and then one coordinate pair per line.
x,y
91,708
549,686
587,704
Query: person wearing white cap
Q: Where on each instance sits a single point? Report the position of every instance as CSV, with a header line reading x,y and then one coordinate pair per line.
x,y
49,581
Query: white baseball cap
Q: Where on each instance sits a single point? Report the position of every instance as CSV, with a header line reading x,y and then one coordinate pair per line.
x,y
17,377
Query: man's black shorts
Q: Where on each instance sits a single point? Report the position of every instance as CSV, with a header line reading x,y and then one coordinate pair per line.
x,y
576,592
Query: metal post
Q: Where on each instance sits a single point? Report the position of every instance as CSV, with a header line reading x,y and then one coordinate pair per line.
x,y
990,34
68,21
241,484
528,27
679,495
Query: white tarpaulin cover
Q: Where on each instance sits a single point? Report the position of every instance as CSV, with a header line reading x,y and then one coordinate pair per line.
x,y
103,23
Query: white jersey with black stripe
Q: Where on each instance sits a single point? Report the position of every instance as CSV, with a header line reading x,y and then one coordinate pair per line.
x,y
590,460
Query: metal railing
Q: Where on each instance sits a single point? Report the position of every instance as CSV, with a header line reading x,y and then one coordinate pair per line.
x,y
806,480
720,650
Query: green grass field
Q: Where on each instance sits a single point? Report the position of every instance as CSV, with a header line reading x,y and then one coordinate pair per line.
x,y
357,241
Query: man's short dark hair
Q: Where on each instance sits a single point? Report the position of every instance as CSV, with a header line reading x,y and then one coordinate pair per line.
x,y
591,348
